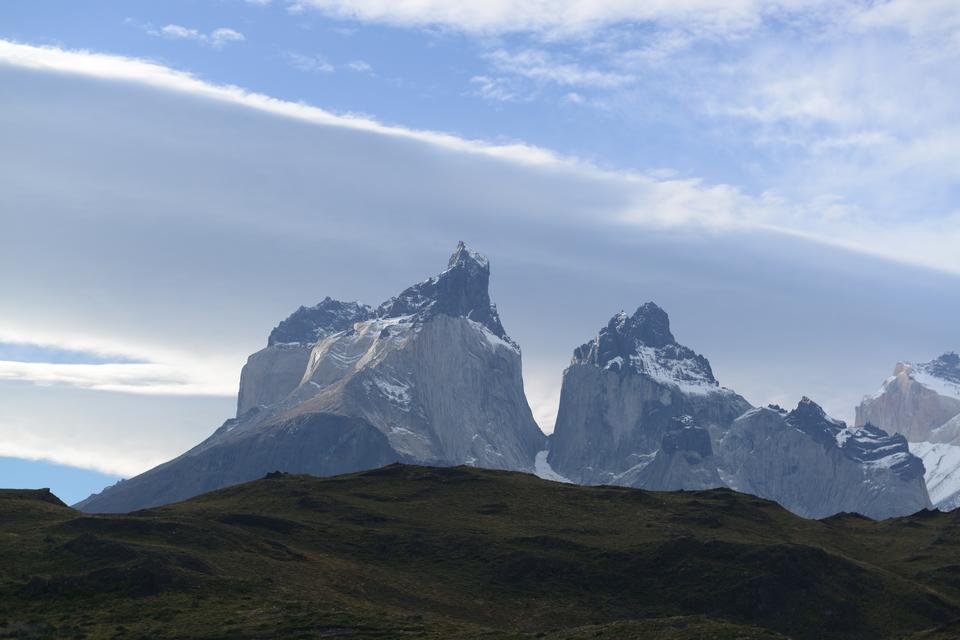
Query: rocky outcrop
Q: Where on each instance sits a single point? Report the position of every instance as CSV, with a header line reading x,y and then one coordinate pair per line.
x,y
624,391
273,372
314,443
922,401
639,409
817,466
429,376
916,400
684,461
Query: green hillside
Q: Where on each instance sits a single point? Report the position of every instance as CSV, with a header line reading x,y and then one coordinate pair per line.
x,y
417,552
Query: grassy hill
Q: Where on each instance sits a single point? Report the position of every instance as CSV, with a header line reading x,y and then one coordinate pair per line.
x,y
417,552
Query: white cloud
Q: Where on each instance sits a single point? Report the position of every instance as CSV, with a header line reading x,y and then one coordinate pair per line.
x,y
177,32
654,201
218,38
496,89
542,66
359,66
116,434
310,64
497,16
151,379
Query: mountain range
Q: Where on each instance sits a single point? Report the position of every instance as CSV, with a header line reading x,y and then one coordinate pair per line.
x,y
430,376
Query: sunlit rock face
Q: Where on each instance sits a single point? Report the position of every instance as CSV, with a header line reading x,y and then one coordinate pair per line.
x,y
273,372
922,401
429,376
916,400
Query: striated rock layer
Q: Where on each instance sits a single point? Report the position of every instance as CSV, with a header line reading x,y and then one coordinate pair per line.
x,y
429,376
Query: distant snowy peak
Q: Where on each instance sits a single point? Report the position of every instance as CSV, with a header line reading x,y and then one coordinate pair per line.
x,y
942,464
941,375
868,445
309,325
643,344
461,291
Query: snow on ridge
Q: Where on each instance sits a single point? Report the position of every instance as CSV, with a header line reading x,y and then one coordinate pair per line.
x,y
543,470
683,374
935,383
492,340
942,469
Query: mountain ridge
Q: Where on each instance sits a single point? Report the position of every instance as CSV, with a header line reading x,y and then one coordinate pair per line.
x,y
473,553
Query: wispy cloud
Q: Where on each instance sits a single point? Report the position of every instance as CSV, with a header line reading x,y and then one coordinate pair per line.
x,y
542,66
561,16
496,89
150,379
308,63
654,201
359,66
217,39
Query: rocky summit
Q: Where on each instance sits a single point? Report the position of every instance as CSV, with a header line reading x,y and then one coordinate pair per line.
x,y
922,402
625,392
429,376
817,466
639,409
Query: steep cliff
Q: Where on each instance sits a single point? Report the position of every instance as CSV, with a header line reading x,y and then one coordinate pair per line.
x,y
429,376
817,466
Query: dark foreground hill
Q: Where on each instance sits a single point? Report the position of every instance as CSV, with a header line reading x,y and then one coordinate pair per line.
x,y
418,552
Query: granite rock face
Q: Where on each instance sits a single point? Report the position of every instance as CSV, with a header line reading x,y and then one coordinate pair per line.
x,y
639,409
623,393
817,466
273,372
684,461
922,401
429,376
916,400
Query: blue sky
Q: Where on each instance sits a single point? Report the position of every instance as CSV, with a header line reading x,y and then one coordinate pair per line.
x,y
178,176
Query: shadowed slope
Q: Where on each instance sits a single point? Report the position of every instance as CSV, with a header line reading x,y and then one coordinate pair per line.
x,y
407,551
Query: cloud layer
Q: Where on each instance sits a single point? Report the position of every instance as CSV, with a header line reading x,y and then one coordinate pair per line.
x,y
646,199
175,221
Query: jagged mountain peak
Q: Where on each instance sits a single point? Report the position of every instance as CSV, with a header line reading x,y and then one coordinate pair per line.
x,y
807,409
866,444
946,366
643,343
810,418
309,325
462,290
649,324
465,257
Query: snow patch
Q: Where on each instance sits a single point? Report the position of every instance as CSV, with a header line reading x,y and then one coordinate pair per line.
x,y
493,341
942,475
941,386
542,468
395,390
683,374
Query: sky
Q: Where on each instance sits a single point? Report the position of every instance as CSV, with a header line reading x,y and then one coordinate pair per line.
x,y
177,177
